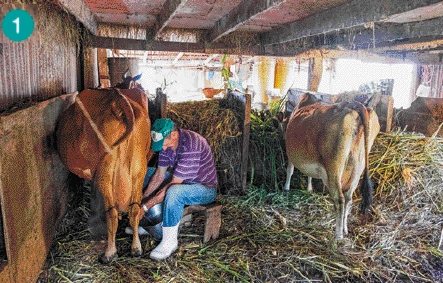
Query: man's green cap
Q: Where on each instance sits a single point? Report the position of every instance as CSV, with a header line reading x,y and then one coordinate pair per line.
x,y
159,131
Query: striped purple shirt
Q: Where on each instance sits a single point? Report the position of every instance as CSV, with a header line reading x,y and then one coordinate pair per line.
x,y
195,161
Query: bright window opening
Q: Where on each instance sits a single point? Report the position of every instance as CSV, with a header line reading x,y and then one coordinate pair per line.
x,y
349,74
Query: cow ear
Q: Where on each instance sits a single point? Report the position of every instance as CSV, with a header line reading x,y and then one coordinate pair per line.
x,y
137,77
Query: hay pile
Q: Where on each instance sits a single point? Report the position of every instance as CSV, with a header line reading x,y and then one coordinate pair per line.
x,y
208,119
397,157
219,121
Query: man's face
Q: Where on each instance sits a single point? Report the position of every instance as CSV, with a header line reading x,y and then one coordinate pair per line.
x,y
167,142
171,141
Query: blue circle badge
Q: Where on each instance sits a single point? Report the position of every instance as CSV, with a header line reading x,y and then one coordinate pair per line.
x,y
18,25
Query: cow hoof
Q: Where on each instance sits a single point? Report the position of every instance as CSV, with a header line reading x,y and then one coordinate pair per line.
x,y
137,253
103,259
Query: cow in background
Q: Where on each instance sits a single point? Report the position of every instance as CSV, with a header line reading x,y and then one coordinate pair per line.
x,y
105,137
129,82
332,143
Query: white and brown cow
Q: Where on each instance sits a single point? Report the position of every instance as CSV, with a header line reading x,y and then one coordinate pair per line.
x,y
332,143
105,137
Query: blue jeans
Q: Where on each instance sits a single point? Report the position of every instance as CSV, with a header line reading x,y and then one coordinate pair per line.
x,y
180,195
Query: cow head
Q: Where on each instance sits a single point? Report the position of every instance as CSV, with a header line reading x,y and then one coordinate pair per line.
x,y
129,82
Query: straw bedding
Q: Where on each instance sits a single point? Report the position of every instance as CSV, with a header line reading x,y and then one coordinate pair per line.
x,y
268,235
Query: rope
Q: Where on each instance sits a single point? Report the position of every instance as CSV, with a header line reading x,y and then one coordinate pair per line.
x,y
136,204
93,125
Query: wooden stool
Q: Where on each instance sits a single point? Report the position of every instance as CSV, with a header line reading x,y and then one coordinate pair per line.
x,y
212,215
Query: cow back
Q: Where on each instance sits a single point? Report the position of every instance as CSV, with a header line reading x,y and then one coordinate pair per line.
x,y
115,116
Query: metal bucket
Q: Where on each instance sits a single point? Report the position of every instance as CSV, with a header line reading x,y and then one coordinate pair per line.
x,y
154,215
155,231
152,221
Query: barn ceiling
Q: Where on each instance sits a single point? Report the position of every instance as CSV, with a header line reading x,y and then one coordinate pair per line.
x,y
398,28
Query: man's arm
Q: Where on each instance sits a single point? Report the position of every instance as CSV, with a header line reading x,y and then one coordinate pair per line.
x,y
159,197
157,179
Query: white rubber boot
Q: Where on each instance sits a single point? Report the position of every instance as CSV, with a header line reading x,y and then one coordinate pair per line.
x,y
168,245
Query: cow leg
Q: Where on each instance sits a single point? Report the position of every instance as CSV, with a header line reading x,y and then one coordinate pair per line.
x,y
136,196
348,207
309,184
289,172
348,204
111,250
136,248
339,205
104,178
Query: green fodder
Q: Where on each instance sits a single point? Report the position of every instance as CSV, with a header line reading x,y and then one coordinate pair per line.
x,y
267,155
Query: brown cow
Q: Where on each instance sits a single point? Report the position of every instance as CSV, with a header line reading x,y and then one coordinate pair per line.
x,y
105,137
332,143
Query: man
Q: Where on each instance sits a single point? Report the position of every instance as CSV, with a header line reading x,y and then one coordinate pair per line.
x,y
194,179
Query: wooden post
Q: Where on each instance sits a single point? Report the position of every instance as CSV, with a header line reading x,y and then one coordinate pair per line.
x,y
163,103
384,109
103,68
389,114
246,130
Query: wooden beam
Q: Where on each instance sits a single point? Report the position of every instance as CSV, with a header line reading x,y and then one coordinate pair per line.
x,y
200,47
354,13
387,35
377,38
418,14
81,12
246,10
167,13
139,44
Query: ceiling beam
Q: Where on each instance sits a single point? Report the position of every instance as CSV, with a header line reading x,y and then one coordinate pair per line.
x,y
81,12
352,14
385,35
379,37
170,46
246,10
418,14
139,44
169,9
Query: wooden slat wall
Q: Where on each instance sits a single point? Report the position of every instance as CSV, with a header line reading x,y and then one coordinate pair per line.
x,y
29,75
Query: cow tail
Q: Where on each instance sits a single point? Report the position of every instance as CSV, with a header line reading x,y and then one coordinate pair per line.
x,y
366,186
128,118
